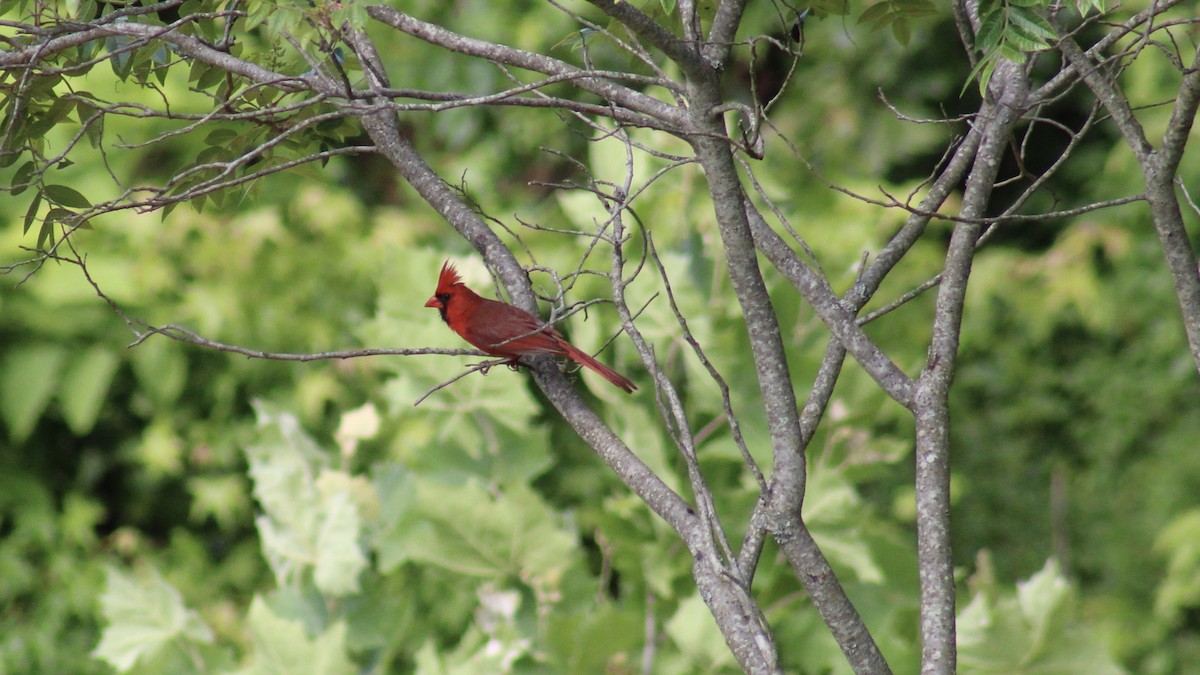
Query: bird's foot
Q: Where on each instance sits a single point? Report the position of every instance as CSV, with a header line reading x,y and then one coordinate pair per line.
x,y
484,366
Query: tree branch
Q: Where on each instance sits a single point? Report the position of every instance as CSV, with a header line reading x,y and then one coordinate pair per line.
x,y
1009,87
649,30
535,62
779,511
1159,168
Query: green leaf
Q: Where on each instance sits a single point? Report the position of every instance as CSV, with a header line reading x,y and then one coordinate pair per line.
x,y
58,112
1179,542
693,629
1033,24
915,9
143,615
991,31
308,522
1033,631
571,643
220,137
27,380
902,30
95,132
84,388
283,646
210,77
22,179
1008,52
55,215
877,13
197,70
489,533
31,212
161,370
1018,42
66,196
339,557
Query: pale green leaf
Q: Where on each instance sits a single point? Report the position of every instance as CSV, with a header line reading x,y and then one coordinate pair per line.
x,y
27,380
486,534
161,369
85,386
358,424
1032,631
283,647
339,557
831,509
142,616
694,631
221,497
1042,597
1179,542
311,519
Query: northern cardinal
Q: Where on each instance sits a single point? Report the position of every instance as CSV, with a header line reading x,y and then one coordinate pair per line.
x,y
503,330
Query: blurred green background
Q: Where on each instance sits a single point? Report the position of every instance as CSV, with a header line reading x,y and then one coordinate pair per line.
x,y
216,513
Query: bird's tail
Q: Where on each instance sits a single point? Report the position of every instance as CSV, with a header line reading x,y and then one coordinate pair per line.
x,y
584,359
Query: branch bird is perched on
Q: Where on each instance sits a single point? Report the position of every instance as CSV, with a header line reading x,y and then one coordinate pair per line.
x,y
506,331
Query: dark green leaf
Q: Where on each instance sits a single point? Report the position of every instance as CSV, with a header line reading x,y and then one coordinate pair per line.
x,y
121,61
95,132
66,196
916,8
31,213
876,13
220,137
985,75
46,235
991,30
210,77
59,215
83,109
198,69
21,178
43,87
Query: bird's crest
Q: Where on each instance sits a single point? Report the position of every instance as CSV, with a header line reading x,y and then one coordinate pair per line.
x,y
448,277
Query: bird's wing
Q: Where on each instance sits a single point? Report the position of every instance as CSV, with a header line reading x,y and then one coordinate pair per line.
x,y
505,330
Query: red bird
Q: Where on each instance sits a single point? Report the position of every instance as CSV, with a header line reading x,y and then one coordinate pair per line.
x,y
503,330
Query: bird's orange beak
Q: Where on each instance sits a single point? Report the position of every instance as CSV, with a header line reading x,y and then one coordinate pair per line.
x,y
434,302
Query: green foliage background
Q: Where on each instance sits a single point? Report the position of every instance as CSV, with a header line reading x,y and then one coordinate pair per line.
x,y
171,509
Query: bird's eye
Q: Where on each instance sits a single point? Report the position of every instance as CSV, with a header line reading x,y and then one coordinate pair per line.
x,y
443,297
